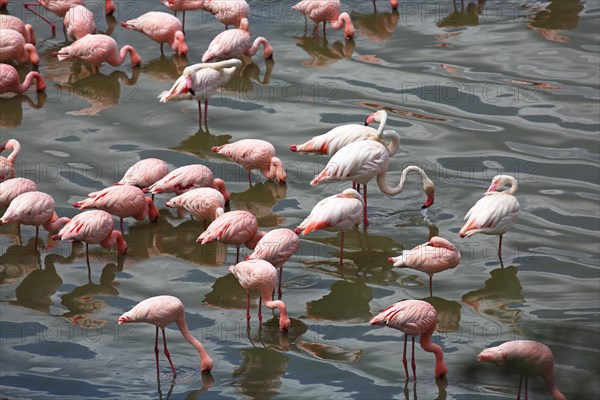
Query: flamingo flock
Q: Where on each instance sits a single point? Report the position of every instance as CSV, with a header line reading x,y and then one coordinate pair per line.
x,y
358,153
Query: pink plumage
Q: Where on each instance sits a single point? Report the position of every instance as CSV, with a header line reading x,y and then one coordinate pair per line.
x,y
79,21
11,83
11,188
527,358
96,49
61,7
414,318
235,43
162,28
162,311
7,164
16,24
183,5
326,11
201,203
254,154
14,47
228,12
145,173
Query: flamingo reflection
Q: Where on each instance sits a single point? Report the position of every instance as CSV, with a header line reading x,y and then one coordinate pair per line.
x,y
321,54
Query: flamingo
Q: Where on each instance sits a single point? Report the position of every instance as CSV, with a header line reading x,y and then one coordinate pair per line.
x,y
527,358
183,5
162,28
201,81
432,257
228,12
14,47
201,203
34,208
61,7
79,21
145,173
326,10
494,213
95,227
7,164
233,227
236,43
16,24
276,247
161,311
10,81
254,154
330,142
414,318
334,213
11,188
123,201
361,161
96,49
259,276
186,178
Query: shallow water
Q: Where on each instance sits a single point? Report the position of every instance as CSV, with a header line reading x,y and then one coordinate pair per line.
x,y
492,87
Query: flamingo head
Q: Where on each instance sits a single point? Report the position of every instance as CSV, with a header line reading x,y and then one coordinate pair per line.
x,y
284,323
349,31
109,7
500,181
244,25
350,194
429,189
123,319
394,4
206,365
494,355
376,116
179,44
277,171
189,81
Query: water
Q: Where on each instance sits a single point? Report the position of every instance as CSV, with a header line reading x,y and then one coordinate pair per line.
x,y
491,87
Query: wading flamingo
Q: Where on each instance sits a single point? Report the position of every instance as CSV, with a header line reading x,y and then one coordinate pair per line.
x,y
93,227
79,21
61,7
414,318
494,213
259,276
16,24
162,28
14,47
334,213
254,154
161,311
7,164
276,247
201,81
11,83
323,11
145,173
432,257
235,43
11,188
202,203
228,12
527,358
183,5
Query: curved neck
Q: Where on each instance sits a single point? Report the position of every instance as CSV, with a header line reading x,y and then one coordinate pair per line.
x,y
152,210
440,368
549,379
513,187
267,49
115,237
267,297
382,123
392,191
182,325
394,140
219,184
251,243
55,223
16,148
344,21
120,58
32,53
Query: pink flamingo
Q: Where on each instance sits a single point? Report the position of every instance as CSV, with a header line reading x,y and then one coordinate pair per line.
x,y
14,47
494,213
186,178
34,208
527,358
334,213
161,311
10,81
16,24
330,142
254,154
123,201
96,49
228,12
145,173
201,81
7,164
79,21
259,276
414,318
276,247
162,28
359,162
326,10
61,7
236,43
202,203
233,227
432,257
93,227
183,5
11,188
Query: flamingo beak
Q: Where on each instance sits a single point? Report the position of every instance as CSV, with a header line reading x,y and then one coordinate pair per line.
x,y
369,119
492,188
189,84
429,201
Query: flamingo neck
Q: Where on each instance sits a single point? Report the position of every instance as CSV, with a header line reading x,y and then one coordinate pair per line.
x,y
344,21
284,319
206,361
152,211
55,223
16,148
440,368
32,53
549,379
109,7
30,34
394,141
115,238
392,191
267,49
382,123
219,184
251,243
514,186
120,58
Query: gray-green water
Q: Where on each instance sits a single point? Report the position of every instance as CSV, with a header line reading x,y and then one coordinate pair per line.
x,y
496,86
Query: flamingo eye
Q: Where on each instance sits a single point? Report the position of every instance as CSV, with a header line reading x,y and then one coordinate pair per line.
x,y
385,321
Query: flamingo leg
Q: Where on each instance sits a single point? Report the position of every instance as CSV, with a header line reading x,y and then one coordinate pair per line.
x,y
19,233
260,309
28,7
183,22
365,218
342,250
413,363
316,30
206,113
404,358
248,306
500,247
87,253
162,53
156,350
167,352
199,114
280,277
520,384
324,33
121,225
249,178
430,285
37,229
526,391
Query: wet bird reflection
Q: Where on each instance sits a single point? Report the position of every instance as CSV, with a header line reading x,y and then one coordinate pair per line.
x,y
165,69
321,54
11,109
260,371
377,27
201,143
260,199
448,312
346,301
557,17
461,16
18,260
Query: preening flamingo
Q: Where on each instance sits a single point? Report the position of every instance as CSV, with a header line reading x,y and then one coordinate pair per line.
x,y
11,188
235,43
11,83
61,7
34,208
96,49
276,247
7,164
414,318
162,28
123,201
326,11
527,358
233,227
201,203
432,257
201,81
259,276
161,311
93,227
254,154
16,24
145,173
14,47
228,12
183,5
334,213
494,213
79,21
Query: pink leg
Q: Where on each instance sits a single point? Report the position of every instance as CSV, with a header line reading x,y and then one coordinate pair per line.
x,y
342,250
365,218
37,231
206,113
121,225
260,309
183,23
249,178
404,362
413,362
354,185
248,306
324,33
199,114
167,353
430,285
280,276
520,384
316,30
87,258
156,350
28,7
500,247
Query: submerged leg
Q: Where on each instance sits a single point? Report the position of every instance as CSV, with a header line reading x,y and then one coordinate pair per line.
x,y
156,350
520,385
413,363
28,7
167,352
365,218
404,362
260,309
280,276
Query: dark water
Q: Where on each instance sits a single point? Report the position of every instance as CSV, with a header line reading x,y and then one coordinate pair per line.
x,y
474,90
